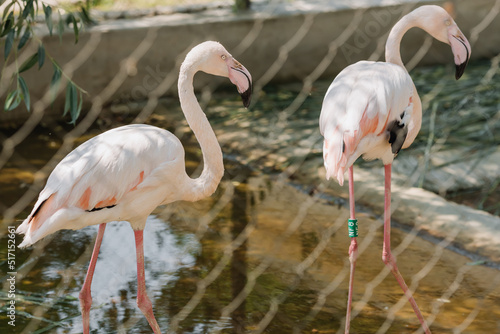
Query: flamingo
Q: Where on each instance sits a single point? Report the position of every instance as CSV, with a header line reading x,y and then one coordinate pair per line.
x,y
123,174
372,109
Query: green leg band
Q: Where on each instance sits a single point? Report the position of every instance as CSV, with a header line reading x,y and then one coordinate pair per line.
x,y
353,227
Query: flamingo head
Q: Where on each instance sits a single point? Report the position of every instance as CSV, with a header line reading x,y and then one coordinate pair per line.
x,y
214,59
439,23
460,47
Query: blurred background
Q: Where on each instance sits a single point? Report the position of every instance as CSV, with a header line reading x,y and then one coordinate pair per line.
x,y
268,251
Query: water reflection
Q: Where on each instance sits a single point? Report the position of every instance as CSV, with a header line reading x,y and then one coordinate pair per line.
x,y
285,274
239,266
282,229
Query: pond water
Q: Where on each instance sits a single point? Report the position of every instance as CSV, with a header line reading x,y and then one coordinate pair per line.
x,y
259,256
262,254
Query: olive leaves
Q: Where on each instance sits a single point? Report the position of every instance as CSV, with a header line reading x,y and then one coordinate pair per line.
x,y
16,30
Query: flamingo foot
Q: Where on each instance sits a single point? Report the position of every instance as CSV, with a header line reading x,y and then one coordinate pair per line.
x,y
387,256
390,262
353,255
146,308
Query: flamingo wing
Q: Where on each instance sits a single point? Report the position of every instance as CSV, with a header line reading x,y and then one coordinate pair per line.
x,y
99,173
365,104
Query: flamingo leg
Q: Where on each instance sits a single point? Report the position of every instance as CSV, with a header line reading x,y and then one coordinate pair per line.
x,y
353,252
387,257
85,293
143,301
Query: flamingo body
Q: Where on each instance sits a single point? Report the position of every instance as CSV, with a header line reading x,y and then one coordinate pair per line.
x,y
122,174
125,173
366,104
372,109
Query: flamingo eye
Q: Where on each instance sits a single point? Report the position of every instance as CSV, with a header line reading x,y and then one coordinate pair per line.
x,y
447,22
223,57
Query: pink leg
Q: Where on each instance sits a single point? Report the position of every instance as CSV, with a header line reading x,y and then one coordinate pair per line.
x,y
353,252
85,294
387,257
143,301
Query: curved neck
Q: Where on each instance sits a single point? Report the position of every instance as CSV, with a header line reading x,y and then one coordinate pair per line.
x,y
213,168
392,52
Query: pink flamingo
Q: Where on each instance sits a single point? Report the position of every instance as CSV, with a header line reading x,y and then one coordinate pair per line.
x,y
125,173
373,109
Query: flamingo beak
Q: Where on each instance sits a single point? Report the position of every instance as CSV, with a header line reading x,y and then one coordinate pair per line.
x,y
240,77
461,52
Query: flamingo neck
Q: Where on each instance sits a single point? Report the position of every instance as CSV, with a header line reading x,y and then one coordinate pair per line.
x,y
213,168
392,51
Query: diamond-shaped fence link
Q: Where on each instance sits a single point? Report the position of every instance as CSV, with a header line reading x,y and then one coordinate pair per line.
x,y
267,253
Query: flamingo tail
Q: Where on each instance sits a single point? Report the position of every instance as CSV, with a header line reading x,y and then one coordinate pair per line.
x,y
32,227
335,157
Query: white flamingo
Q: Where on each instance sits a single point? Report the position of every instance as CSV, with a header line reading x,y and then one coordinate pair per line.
x,y
125,173
373,109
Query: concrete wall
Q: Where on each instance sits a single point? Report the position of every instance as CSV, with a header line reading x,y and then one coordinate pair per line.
x,y
258,38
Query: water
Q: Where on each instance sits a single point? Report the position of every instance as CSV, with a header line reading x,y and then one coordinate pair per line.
x,y
285,248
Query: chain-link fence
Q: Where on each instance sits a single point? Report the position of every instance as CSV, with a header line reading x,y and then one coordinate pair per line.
x,y
268,251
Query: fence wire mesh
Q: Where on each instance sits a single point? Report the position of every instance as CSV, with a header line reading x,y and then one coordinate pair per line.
x,y
268,251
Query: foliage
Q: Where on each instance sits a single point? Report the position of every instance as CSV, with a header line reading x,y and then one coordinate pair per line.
x,y
18,21
17,30
242,4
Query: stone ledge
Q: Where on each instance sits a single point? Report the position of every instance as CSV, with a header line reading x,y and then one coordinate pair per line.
x,y
258,38
474,231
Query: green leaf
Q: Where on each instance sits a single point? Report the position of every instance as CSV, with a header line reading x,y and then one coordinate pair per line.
x,y
32,11
84,15
56,77
41,55
6,9
25,92
48,17
75,27
76,108
20,24
25,38
28,8
54,83
9,22
8,42
60,26
73,102
12,100
29,63
67,102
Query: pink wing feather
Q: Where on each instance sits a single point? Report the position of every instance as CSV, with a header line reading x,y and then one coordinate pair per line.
x,y
98,174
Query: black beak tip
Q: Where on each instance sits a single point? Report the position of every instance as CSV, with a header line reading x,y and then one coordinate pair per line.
x,y
247,97
460,69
